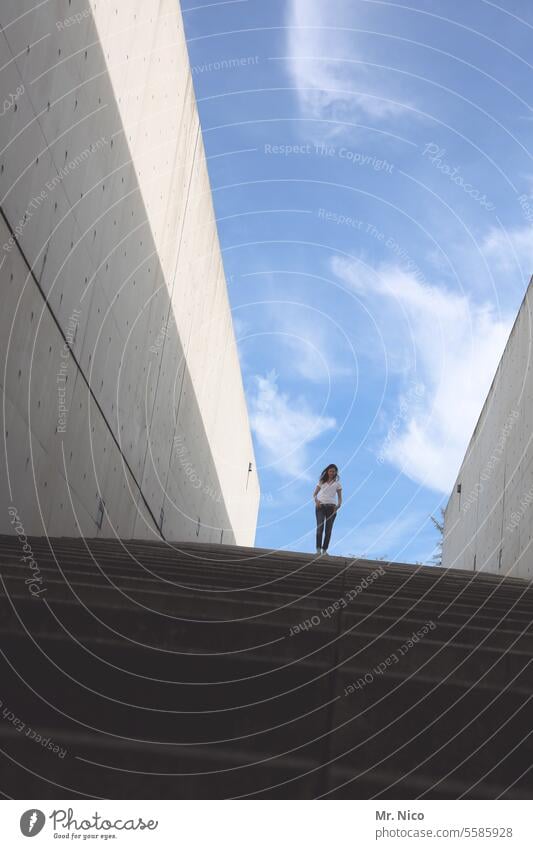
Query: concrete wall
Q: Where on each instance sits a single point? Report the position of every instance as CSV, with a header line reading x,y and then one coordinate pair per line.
x,y
489,522
119,367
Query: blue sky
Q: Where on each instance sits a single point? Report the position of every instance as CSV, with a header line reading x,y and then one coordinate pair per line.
x,y
373,189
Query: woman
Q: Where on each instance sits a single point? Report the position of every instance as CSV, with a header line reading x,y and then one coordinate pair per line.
x,y
328,499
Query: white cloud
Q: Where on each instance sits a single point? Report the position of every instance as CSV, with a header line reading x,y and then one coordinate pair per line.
x,y
329,87
241,327
314,347
510,251
457,344
284,427
384,539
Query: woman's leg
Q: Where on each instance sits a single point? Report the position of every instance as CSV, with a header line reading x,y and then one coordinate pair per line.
x,y
320,519
331,513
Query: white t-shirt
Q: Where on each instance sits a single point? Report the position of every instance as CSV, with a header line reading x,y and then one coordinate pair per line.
x,y
327,493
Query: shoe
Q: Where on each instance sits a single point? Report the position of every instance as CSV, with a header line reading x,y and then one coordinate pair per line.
x,y
324,551
319,551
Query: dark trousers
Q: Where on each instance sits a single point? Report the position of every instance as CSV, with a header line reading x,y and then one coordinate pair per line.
x,y
325,516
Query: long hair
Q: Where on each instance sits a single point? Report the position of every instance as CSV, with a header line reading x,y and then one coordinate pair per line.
x,y
324,476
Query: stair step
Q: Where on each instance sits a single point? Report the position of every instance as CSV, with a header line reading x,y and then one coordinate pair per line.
x,y
201,671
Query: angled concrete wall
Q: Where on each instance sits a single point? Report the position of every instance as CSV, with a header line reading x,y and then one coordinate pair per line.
x,y
489,516
119,369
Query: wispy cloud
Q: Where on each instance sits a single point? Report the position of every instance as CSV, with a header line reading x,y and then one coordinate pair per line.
x,y
241,327
331,85
284,427
384,538
313,346
510,251
457,344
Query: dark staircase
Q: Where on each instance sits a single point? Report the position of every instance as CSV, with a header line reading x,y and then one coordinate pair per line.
x,y
156,670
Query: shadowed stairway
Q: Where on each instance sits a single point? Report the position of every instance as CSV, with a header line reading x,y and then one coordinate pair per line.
x,y
180,671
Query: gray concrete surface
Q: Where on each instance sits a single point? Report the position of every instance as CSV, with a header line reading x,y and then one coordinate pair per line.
x,y
201,671
489,517
122,391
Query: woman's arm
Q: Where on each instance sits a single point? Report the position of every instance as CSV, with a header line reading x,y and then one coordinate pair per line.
x,y
315,493
339,498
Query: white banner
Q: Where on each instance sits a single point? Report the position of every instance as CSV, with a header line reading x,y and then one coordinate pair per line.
x,y
266,824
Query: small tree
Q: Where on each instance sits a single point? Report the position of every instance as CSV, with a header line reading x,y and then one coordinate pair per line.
x,y
437,557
